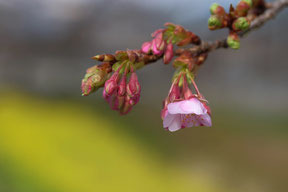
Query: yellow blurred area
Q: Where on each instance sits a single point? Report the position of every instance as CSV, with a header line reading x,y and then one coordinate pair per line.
x,y
63,146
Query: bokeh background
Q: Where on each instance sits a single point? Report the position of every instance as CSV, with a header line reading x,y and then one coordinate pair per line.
x,y
54,140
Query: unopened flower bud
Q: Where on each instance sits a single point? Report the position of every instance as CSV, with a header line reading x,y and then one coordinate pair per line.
x,y
94,78
146,47
233,41
105,58
158,44
214,22
155,50
169,54
216,9
241,23
112,84
133,87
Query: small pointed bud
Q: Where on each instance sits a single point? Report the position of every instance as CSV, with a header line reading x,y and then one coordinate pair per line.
x,y
111,84
241,23
169,54
94,78
133,87
216,9
146,47
105,58
214,22
233,41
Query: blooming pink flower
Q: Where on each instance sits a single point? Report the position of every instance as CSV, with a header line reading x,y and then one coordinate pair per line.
x,y
186,113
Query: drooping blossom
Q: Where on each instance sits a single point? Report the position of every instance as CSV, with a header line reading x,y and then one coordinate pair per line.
x,y
186,113
183,109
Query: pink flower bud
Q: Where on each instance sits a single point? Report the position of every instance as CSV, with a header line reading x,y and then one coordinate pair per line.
x,y
146,47
159,42
169,54
155,50
133,87
112,84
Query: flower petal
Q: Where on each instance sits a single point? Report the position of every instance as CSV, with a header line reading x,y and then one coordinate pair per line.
x,y
176,124
205,120
191,106
168,119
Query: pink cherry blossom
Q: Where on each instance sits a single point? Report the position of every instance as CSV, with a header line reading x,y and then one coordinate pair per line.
x,y
186,113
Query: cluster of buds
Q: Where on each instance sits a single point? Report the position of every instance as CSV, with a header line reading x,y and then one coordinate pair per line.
x,y
164,39
182,108
112,74
236,20
120,94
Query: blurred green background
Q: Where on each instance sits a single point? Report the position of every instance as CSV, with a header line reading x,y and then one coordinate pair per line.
x,y
54,140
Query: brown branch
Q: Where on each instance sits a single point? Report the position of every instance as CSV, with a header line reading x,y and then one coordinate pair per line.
x,y
272,9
